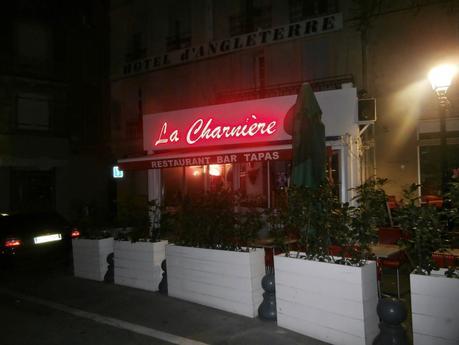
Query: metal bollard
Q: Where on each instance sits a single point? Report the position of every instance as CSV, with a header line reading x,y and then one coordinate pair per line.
x,y
109,276
162,287
267,309
392,313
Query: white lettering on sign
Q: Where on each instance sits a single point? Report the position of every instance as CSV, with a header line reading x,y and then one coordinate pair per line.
x,y
261,156
206,130
172,138
226,159
217,159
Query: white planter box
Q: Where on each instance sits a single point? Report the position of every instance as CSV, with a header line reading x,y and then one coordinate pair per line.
x,y
333,303
221,279
90,257
435,309
138,264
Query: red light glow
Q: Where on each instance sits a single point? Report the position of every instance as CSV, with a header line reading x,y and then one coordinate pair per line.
x,y
13,242
239,123
75,233
215,170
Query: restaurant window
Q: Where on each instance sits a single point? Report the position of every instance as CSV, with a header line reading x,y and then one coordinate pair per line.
x,y
33,41
280,172
193,181
253,184
33,112
172,189
258,184
135,47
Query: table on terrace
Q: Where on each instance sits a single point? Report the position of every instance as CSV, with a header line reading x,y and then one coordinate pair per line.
x,y
384,251
452,251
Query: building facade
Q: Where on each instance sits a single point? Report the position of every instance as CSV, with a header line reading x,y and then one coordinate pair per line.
x,y
176,55
54,146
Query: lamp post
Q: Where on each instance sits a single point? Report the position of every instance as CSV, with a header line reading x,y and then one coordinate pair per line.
x,y
441,77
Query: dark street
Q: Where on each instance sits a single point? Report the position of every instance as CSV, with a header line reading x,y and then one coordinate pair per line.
x,y
27,323
41,306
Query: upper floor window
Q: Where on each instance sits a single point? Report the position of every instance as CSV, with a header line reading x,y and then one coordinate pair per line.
x,y
135,48
33,41
253,15
179,31
302,9
33,112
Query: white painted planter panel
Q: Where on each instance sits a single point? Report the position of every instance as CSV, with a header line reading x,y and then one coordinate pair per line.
x,y
435,309
333,303
90,257
225,280
138,264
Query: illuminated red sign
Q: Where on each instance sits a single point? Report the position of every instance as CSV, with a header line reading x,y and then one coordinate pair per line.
x,y
207,130
256,121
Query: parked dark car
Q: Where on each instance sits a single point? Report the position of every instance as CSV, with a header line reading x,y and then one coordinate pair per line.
x,y
35,236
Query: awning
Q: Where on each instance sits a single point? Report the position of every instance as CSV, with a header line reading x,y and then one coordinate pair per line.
x,y
242,155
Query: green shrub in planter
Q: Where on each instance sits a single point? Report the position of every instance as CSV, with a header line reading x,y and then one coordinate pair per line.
x,y
140,219
210,262
91,249
423,228
319,220
315,213
433,294
212,221
366,216
319,293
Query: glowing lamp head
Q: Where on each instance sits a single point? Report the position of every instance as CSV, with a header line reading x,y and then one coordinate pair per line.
x,y
215,170
196,173
441,77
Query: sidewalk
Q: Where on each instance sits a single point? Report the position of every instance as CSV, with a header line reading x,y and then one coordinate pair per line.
x,y
148,311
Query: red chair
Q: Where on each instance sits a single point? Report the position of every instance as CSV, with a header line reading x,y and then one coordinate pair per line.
x,y
434,200
389,235
444,260
392,236
392,202
335,250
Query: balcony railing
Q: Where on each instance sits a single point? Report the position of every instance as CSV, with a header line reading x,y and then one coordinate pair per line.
x,y
325,84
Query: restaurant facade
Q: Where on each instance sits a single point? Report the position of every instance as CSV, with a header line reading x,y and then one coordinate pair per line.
x,y
243,146
201,92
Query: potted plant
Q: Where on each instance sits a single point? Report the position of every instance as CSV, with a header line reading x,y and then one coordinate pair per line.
x,y
434,295
138,250
91,249
211,262
329,297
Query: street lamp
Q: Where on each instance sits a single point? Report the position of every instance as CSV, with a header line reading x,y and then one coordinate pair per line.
x,y
441,77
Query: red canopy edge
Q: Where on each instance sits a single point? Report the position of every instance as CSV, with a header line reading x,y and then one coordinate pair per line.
x,y
171,160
